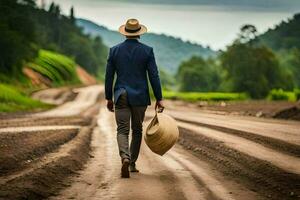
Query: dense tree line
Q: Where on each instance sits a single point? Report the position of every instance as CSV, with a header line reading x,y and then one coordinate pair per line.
x,y
254,70
198,74
284,36
24,29
248,65
16,35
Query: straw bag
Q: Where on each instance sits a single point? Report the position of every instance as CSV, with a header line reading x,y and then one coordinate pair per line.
x,y
161,134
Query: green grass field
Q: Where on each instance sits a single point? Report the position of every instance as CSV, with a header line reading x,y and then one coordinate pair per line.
x,y
274,95
60,69
204,96
12,100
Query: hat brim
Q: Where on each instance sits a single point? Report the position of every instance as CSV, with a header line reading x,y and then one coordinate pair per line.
x,y
140,32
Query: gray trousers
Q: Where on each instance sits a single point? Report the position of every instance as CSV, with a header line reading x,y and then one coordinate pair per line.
x,y
125,113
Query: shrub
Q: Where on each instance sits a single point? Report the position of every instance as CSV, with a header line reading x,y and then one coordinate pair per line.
x,y
280,95
297,94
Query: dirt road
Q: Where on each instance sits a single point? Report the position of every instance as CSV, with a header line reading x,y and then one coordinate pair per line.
x,y
216,157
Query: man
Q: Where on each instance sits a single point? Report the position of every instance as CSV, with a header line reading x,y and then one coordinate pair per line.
x,y
131,61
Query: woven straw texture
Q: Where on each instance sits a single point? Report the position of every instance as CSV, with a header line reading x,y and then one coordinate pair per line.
x,y
161,134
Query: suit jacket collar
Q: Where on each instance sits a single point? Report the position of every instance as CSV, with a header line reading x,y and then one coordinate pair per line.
x,y
131,40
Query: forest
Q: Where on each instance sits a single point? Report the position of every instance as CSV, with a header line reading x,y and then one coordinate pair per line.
x,y
26,29
260,65
42,48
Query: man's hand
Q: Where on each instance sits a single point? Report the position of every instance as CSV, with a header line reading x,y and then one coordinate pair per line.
x,y
110,105
159,105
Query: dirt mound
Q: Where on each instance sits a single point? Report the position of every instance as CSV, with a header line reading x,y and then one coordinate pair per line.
x,y
289,113
85,77
36,78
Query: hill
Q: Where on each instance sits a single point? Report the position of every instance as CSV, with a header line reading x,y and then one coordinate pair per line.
x,y
25,29
284,36
285,41
170,51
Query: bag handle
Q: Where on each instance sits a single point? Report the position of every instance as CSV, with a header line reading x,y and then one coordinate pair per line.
x,y
159,110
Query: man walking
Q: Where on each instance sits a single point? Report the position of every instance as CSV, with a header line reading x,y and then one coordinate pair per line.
x,y
131,61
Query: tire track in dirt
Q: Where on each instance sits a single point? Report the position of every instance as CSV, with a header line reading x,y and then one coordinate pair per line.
x,y
288,163
87,97
175,180
19,150
37,128
101,177
216,189
287,131
46,176
255,174
177,175
50,172
217,185
206,166
63,151
97,173
28,121
284,147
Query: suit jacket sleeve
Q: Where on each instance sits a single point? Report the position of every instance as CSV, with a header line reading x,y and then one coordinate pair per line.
x,y
109,77
154,76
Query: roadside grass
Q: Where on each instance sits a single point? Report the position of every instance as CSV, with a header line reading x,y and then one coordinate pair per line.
x,y
204,96
12,100
281,95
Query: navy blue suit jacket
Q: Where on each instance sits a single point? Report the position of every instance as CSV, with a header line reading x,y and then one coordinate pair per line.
x,y
132,61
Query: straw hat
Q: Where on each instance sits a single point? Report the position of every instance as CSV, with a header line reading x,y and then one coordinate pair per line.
x,y
161,134
132,28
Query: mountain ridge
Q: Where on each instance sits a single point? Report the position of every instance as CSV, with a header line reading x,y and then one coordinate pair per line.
x,y
284,35
170,51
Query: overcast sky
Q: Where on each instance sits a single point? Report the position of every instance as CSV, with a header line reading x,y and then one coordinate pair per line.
x,y
208,22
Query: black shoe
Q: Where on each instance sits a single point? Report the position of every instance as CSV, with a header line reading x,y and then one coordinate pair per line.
x,y
132,168
124,169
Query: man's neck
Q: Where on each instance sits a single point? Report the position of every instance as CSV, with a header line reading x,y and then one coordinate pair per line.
x,y
133,38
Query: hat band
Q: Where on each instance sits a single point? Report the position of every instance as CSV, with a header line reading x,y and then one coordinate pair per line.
x,y
132,31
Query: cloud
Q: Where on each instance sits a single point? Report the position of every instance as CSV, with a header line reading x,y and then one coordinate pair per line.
x,y
266,4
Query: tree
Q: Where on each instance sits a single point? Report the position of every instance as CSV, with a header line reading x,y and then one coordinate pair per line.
x,y
248,33
72,18
254,70
284,36
290,61
166,79
17,36
295,64
54,9
51,7
57,11
24,29
27,2
198,74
